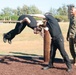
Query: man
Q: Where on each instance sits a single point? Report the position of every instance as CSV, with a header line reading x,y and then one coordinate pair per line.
x,y
57,41
72,18
72,30
24,20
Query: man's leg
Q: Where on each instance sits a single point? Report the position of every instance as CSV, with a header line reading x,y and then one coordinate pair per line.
x,y
74,45
11,34
52,56
75,55
64,54
8,37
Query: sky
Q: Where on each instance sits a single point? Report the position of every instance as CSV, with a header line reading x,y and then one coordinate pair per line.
x,y
43,5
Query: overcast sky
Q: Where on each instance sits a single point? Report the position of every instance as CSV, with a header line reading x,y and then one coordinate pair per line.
x,y
43,5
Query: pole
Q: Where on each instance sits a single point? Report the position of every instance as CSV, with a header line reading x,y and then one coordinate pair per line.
x,y
47,42
8,21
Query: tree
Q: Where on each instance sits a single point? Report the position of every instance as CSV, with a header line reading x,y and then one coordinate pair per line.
x,y
62,10
34,10
25,9
19,11
14,11
7,11
53,11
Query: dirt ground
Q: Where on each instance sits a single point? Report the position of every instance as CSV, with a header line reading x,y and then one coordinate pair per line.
x,y
17,65
25,55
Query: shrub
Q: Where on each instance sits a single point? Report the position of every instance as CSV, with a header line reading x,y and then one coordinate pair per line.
x,y
61,18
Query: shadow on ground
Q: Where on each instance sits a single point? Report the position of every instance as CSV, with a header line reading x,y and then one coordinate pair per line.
x,y
26,58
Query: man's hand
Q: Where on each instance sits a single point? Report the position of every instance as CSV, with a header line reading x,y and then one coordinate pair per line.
x,y
37,30
67,38
46,28
20,21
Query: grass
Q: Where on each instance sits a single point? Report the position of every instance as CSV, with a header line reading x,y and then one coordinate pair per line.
x,y
27,42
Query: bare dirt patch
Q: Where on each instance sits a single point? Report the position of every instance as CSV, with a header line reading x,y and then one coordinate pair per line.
x,y
17,65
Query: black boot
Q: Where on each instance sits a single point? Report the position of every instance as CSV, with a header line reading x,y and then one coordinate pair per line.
x,y
4,39
48,67
69,67
9,41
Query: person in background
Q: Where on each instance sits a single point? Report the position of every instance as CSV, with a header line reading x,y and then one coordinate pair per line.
x,y
71,34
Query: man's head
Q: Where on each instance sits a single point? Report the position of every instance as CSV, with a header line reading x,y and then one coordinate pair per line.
x,y
70,7
47,14
73,11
